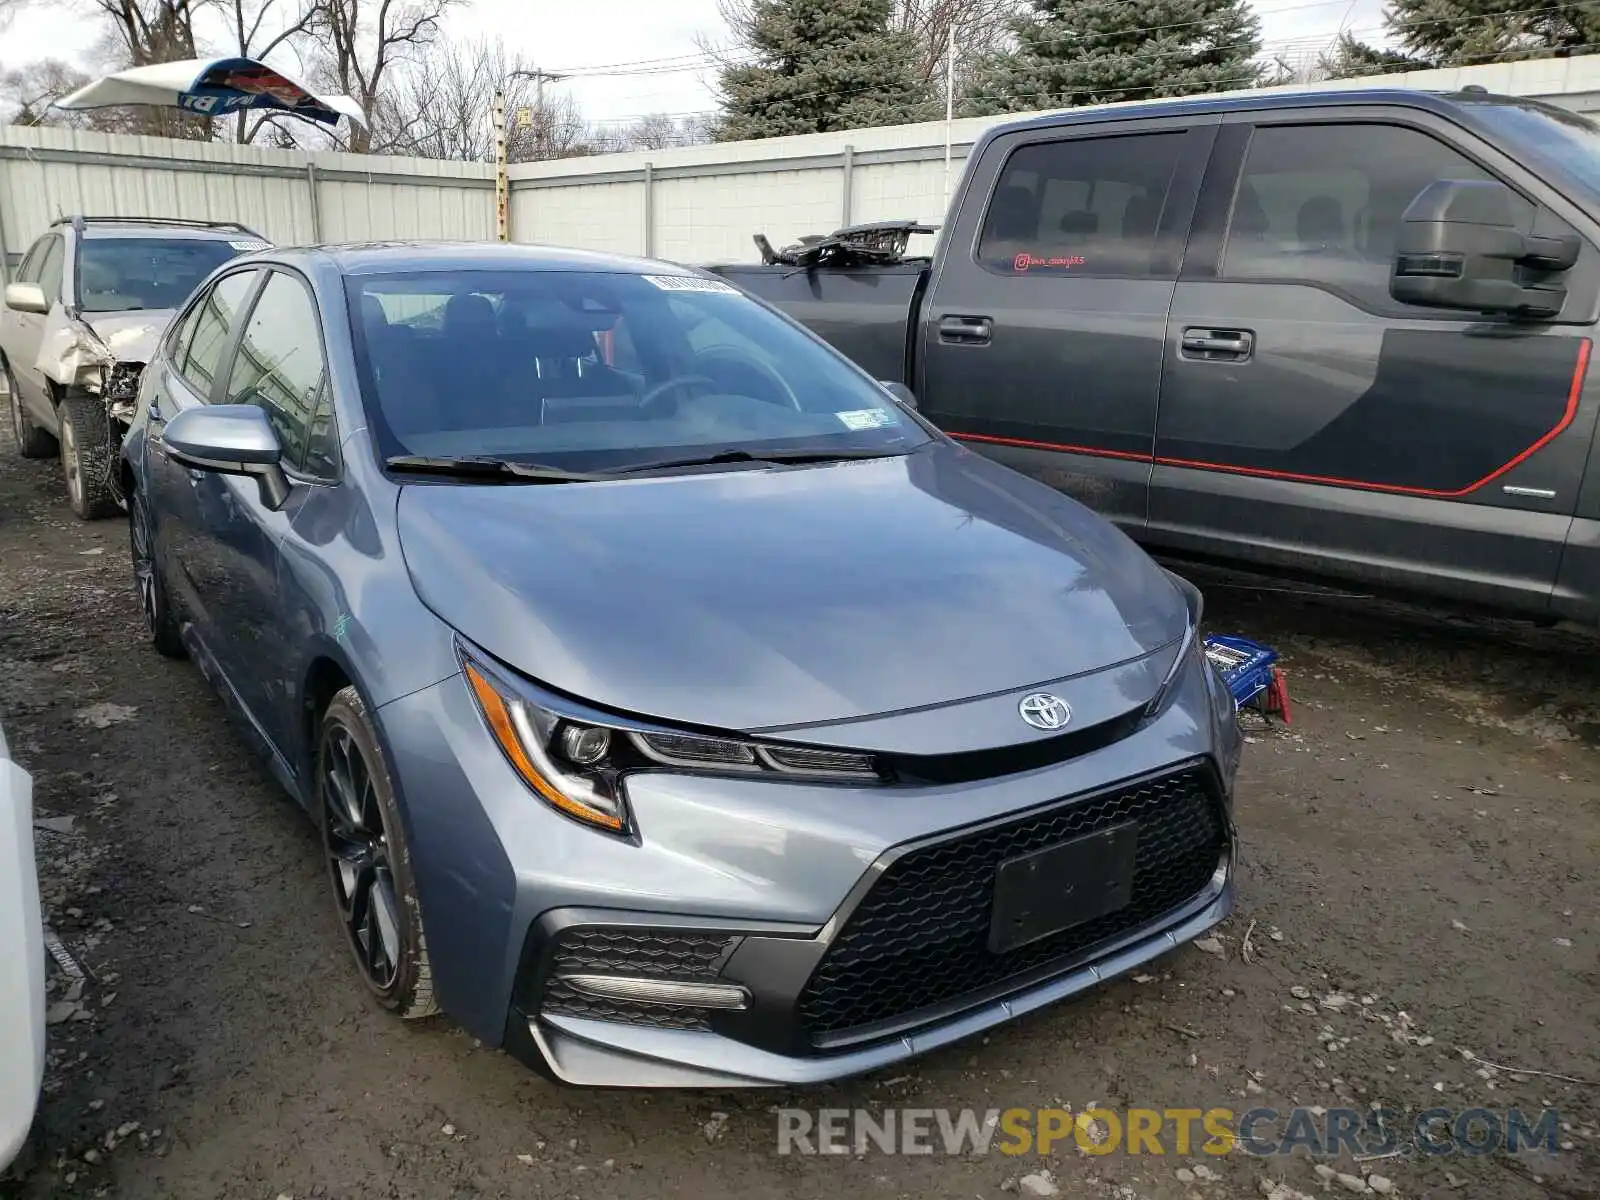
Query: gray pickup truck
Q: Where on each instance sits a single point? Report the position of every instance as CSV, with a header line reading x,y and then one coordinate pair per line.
x,y
1342,334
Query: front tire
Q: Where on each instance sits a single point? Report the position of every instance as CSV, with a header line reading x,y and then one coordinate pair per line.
x,y
86,457
32,442
153,601
369,862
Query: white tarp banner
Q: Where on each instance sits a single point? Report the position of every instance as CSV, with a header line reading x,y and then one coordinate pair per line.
x,y
214,87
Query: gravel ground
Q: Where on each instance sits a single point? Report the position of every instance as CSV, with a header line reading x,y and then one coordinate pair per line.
x,y
1418,884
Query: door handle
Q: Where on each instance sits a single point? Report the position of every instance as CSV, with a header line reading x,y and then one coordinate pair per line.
x,y
1218,345
966,331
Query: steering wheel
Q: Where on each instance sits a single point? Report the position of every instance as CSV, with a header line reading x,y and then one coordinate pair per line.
x,y
650,403
761,368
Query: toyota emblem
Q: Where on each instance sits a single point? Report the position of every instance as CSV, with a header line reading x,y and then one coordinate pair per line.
x,y
1044,711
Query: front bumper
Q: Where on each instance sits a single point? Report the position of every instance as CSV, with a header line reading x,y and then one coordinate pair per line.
x,y
755,888
902,966
593,1053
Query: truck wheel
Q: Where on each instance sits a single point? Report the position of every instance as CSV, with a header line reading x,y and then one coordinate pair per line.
x,y
32,442
158,616
369,861
86,457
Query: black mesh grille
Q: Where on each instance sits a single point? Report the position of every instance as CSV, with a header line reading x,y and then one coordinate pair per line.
x,y
920,937
649,953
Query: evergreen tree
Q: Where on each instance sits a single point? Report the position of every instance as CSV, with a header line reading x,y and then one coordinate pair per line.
x,y
1353,57
823,65
1464,32
1072,52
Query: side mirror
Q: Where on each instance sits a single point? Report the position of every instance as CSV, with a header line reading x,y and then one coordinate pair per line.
x,y
901,393
26,297
1476,245
230,439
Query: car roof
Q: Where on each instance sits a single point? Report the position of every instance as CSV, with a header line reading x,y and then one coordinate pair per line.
x,y
1452,103
384,258
133,227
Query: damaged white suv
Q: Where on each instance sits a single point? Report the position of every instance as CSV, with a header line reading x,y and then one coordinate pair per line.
x,y
81,318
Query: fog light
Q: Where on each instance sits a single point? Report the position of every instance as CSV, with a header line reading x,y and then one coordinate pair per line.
x,y
585,744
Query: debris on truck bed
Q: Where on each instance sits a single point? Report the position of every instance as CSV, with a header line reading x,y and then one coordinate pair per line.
x,y
877,243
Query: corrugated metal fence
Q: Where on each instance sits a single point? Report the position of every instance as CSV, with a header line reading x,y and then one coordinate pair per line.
x,y
698,204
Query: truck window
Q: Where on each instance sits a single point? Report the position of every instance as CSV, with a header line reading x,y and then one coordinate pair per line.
x,y
1321,204
50,271
1086,206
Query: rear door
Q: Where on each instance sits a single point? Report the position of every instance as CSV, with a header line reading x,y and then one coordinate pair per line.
x,y
1042,333
1309,420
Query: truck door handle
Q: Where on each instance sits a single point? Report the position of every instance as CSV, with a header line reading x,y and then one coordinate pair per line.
x,y
1218,345
966,331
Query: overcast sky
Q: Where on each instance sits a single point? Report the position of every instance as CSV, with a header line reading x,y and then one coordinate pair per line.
x,y
588,34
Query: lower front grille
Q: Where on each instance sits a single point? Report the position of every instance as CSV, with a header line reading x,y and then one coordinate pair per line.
x,y
919,938
641,953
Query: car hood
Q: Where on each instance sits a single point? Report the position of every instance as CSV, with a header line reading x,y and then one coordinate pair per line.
x,y
130,336
759,598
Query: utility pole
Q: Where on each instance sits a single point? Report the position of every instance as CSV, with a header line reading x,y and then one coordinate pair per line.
x,y
540,78
949,109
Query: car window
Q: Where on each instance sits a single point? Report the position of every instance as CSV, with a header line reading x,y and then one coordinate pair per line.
x,y
322,442
28,272
1088,206
127,274
1322,203
594,371
50,271
279,365
214,319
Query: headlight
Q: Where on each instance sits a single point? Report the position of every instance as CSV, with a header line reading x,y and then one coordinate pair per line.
x,y
1186,648
577,763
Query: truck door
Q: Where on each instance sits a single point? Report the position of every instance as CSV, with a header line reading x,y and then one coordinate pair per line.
x,y
1309,420
1042,332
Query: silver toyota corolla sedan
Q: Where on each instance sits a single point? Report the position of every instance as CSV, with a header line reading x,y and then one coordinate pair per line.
x,y
677,707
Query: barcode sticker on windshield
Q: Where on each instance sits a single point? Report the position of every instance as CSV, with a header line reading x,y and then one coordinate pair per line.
x,y
246,247
692,283
865,418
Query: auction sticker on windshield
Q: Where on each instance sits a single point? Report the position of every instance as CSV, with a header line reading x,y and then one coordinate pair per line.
x,y
865,418
692,283
246,247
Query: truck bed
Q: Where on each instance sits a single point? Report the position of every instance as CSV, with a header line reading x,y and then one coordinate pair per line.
x,y
866,312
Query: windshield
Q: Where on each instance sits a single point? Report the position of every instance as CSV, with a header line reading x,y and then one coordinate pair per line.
x,y
602,371
1559,139
125,274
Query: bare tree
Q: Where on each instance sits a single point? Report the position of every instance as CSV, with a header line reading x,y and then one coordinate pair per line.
x,y
27,93
440,105
365,43
139,33
258,29
656,131
982,28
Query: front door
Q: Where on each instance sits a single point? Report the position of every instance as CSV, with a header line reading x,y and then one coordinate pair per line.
x,y
278,365
191,375
1309,420
25,332
1042,332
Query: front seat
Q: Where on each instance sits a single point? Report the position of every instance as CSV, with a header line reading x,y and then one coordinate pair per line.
x,y
1320,226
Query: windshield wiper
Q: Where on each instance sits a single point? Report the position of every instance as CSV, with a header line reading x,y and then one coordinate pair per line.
x,y
503,470
764,456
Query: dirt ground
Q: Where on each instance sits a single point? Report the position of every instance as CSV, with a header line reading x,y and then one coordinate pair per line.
x,y
1418,885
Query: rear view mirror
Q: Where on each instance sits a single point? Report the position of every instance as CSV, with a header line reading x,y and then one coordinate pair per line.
x,y
230,439
901,393
26,297
1473,245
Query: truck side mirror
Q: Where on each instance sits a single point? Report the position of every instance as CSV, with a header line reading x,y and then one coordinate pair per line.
x,y
1471,244
900,392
